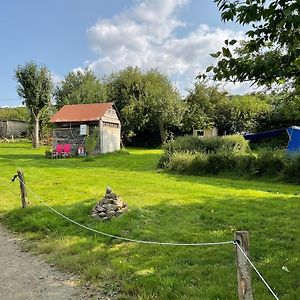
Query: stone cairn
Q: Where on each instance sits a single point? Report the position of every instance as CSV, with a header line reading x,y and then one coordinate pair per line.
x,y
111,205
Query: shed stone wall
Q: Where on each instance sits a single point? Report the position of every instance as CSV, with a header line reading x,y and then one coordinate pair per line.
x,y
69,133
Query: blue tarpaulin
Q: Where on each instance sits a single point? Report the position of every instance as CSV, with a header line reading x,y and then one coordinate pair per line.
x,y
293,132
294,139
263,135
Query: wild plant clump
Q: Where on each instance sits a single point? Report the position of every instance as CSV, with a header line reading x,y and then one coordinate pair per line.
x,y
205,145
227,155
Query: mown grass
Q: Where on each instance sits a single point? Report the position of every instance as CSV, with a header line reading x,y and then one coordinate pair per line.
x,y
163,207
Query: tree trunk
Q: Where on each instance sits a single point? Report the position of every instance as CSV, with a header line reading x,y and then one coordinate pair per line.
x,y
36,133
162,132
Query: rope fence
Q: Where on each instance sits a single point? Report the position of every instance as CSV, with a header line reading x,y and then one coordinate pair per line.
x,y
232,242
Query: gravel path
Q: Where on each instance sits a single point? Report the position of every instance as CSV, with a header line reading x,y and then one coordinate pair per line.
x,y
23,276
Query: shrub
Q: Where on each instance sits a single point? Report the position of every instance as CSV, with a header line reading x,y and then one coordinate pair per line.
x,y
291,171
214,144
48,153
235,143
91,142
271,162
183,143
221,162
180,161
199,164
214,155
246,164
165,159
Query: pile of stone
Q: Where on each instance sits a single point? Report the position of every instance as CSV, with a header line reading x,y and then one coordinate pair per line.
x,y
111,205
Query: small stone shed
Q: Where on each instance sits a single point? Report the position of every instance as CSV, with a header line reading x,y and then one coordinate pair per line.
x,y
13,128
73,123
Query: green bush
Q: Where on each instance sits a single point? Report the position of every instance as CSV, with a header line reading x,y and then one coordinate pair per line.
x,y
180,161
48,153
271,162
199,164
291,171
230,154
165,159
215,144
187,143
221,162
246,164
235,143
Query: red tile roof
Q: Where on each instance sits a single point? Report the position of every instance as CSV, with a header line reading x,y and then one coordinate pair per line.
x,y
81,112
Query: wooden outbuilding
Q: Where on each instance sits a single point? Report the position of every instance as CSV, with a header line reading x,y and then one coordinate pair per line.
x,y
13,128
73,123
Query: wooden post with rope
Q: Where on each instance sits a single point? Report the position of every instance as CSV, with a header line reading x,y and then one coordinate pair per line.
x,y
243,266
22,188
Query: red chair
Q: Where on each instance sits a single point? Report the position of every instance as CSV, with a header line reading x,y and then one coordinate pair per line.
x,y
66,150
58,151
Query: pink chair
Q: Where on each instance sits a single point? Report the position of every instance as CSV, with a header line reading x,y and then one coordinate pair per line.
x,y
66,150
58,151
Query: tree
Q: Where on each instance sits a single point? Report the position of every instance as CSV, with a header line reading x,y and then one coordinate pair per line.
x,y
162,103
35,87
207,107
202,102
146,101
284,112
271,53
126,89
241,113
80,87
14,113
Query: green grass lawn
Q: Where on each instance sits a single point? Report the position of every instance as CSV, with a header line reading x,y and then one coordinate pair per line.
x,y
163,207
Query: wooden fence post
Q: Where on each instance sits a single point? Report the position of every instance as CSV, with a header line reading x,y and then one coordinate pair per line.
x,y
243,266
22,188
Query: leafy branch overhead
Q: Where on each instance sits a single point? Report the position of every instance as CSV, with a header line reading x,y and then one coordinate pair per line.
x,y
271,51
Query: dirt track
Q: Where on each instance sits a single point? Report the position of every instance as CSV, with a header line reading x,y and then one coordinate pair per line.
x,y
23,276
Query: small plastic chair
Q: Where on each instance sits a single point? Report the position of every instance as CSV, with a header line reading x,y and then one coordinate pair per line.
x,y
66,150
58,151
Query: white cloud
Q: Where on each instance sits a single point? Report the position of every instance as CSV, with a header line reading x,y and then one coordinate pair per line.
x,y
56,78
145,36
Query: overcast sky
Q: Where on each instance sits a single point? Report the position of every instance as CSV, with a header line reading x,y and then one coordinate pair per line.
x,y
174,36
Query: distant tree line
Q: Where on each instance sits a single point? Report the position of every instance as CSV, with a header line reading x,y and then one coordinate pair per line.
x,y
151,107
14,113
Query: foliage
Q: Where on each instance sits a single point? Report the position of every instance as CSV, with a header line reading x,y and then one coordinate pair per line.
x,y
91,141
284,111
14,113
203,102
162,102
180,161
80,87
35,88
270,163
241,114
292,170
45,125
190,143
271,52
193,144
163,207
209,107
48,153
146,101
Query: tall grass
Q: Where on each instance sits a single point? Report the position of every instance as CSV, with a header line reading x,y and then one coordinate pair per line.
x,y
228,155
